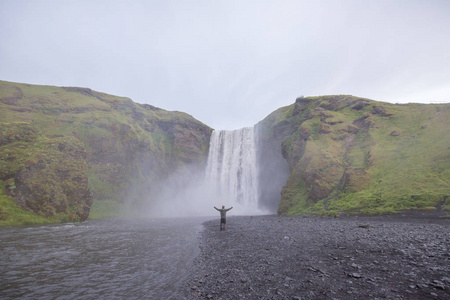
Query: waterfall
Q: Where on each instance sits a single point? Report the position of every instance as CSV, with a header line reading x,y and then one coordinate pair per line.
x,y
231,170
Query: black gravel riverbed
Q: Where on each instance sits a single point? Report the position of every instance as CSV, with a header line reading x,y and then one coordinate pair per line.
x,y
270,257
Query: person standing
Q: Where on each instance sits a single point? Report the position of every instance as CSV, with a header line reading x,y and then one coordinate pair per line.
x,y
223,216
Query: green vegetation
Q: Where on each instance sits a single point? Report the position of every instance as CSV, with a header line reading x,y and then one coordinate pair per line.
x,y
70,153
354,155
45,175
62,148
105,209
12,214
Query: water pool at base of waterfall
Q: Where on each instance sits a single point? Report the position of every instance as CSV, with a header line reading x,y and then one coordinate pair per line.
x,y
108,258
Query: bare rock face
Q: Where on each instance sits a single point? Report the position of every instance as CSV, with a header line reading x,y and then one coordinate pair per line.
x,y
189,136
380,110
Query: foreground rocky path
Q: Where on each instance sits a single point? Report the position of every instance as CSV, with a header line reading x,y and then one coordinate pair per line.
x,y
270,257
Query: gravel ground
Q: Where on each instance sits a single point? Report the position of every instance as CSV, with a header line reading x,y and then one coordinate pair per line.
x,y
269,257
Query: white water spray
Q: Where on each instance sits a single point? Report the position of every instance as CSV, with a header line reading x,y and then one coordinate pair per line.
x,y
230,178
231,170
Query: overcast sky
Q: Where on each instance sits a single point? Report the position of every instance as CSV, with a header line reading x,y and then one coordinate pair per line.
x,y
231,63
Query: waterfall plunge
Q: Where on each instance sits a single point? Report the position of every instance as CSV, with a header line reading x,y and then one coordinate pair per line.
x,y
231,170
230,178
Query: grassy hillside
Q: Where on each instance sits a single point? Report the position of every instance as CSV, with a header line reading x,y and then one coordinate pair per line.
x,y
354,155
62,148
68,153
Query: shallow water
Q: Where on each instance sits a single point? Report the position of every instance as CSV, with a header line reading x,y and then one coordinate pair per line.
x,y
109,258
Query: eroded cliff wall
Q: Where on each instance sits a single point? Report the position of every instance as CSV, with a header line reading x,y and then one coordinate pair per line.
x,y
62,149
349,154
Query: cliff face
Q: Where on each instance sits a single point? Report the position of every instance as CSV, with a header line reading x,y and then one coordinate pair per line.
x,y
273,169
348,154
69,153
45,175
62,149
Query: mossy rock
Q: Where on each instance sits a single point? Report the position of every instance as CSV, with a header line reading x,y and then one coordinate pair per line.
x,y
62,144
343,156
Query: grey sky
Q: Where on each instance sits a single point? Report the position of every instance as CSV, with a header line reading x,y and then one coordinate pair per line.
x,y
231,63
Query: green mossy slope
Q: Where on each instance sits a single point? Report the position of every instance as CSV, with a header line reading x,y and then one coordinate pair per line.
x,y
63,148
354,155
69,153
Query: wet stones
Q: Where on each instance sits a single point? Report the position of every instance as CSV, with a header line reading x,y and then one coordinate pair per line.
x,y
269,257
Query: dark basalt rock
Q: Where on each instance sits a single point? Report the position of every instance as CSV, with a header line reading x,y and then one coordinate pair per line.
x,y
270,257
380,110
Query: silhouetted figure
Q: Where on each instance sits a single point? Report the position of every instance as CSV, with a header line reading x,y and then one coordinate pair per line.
x,y
223,216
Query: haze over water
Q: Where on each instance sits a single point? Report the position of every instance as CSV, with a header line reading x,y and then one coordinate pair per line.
x,y
229,178
131,258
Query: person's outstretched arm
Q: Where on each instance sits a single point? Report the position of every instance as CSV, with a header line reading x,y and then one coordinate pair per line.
x,y
229,208
216,208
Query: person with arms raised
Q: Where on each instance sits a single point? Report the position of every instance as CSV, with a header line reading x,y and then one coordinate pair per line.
x,y
223,216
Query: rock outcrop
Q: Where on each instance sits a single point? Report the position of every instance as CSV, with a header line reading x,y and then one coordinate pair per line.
x,y
354,155
63,149
69,153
